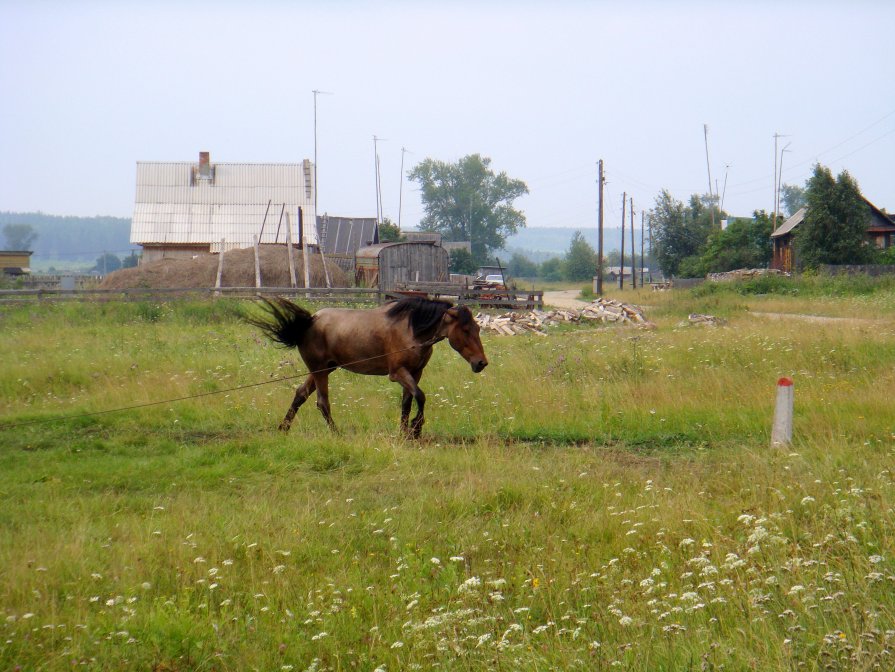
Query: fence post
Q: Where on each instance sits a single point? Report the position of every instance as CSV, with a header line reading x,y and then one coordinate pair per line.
x,y
781,432
292,280
217,282
257,264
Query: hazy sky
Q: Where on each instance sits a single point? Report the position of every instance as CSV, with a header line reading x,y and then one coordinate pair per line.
x,y
544,89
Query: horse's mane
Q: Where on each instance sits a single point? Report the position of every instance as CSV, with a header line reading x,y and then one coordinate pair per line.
x,y
425,314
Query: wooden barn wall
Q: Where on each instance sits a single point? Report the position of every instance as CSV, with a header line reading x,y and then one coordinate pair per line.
x,y
404,263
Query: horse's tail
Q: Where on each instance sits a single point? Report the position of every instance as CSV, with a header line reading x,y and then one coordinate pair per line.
x,y
285,322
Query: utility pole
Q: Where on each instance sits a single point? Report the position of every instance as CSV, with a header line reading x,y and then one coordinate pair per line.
x,y
378,182
633,250
774,213
621,273
401,187
652,261
316,172
705,128
600,182
724,190
780,176
642,216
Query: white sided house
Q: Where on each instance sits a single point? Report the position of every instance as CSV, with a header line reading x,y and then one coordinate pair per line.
x,y
183,209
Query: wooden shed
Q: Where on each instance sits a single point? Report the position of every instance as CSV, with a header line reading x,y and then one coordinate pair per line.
x,y
387,264
15,262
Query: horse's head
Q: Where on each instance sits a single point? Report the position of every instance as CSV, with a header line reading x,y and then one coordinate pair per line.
x,y
463,335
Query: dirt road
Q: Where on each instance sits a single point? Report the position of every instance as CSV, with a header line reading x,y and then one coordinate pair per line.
x,y
566,298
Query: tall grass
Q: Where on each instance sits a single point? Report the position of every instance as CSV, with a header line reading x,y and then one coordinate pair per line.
x,y
602,498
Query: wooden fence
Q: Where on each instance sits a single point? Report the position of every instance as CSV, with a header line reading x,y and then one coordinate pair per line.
x,y
335,294
492,298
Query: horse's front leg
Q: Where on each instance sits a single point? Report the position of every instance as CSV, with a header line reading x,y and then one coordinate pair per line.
x,y
322,381
407,401
411,391
301,396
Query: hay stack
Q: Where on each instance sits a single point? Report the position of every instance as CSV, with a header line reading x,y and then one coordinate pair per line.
x,y
239,271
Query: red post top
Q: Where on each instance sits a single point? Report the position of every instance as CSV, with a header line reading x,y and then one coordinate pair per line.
x,y
784,382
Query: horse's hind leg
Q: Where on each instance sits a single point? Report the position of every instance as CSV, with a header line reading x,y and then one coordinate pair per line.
x,y
301,396
406,404
322,381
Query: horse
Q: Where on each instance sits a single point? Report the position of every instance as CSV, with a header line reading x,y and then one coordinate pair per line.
x,y
394,339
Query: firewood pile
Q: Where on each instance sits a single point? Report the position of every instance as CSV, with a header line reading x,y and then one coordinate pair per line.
x,y
705,320
609,310
537,321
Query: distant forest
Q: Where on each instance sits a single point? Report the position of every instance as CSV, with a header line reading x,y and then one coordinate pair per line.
x,y
71,239
539,243
84,239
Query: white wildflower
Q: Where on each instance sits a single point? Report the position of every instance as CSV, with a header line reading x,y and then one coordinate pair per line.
x,y
470,584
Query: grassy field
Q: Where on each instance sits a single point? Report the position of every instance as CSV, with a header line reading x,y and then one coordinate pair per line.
x,y
600,498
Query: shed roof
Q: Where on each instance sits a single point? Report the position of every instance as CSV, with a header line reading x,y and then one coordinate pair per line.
x,y
345,235
372,251
790,223
176,204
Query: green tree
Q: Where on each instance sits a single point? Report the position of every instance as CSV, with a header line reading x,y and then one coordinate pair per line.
x,y
551,270
793,198
745,243
19,237
131,261
521,266
462,262
107,263
680,231
389,232
468,201
581,259
834,230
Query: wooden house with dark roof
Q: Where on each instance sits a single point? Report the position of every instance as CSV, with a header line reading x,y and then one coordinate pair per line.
x,y
880,233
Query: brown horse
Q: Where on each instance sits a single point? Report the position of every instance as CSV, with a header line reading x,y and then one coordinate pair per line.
x,y
395,339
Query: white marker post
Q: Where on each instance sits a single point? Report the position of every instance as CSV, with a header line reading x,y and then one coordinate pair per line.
x,y
781,432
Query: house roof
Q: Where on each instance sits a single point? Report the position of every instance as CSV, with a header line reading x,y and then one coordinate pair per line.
x,y
879,221
178,203
346,235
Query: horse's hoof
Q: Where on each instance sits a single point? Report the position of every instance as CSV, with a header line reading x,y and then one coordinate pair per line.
x,y
284,427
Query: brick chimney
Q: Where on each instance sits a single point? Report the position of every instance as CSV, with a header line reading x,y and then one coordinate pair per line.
x,y
204,165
